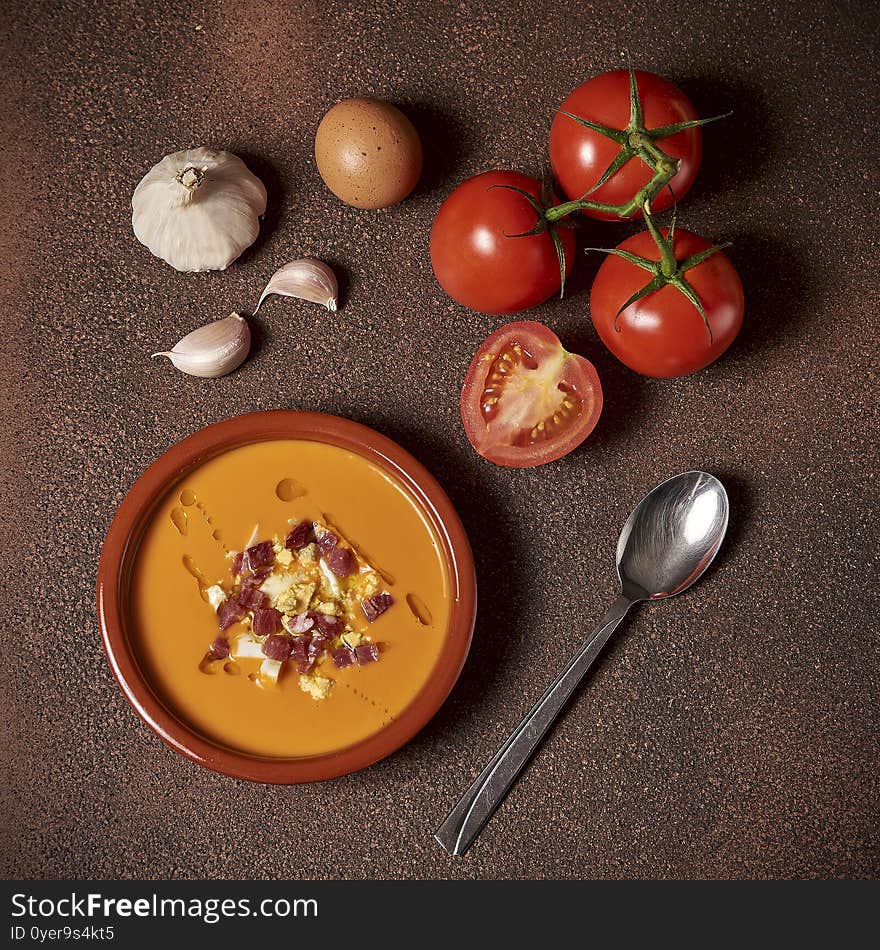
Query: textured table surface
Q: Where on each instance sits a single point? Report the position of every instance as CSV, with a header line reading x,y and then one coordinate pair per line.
x,y
732,732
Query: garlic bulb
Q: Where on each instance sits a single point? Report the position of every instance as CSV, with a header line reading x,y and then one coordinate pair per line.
x,y
212,350
308,279
198,209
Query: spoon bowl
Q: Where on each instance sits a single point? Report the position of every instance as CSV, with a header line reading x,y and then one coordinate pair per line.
x,y
672,536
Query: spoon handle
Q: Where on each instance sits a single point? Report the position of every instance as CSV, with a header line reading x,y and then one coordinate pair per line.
x,y
467,818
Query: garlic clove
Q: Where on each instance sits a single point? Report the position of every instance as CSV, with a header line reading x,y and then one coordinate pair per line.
x,y
213,350
307,279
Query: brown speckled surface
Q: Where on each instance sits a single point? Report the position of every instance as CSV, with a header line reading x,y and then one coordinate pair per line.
x,y
730,733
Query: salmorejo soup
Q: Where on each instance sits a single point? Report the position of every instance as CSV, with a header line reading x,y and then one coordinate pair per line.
x,y
288,598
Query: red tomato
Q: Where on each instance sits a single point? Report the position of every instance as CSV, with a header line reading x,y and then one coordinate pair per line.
x,y
476,260
526,400
580,156
663,334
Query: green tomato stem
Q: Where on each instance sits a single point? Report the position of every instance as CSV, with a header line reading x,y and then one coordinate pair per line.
x,y
636,141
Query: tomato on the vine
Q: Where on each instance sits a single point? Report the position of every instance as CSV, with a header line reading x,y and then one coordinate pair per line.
x,y
619,130
482,252
526,400
667,307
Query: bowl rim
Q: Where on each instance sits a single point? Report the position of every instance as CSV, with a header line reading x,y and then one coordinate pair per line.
x,y
184,456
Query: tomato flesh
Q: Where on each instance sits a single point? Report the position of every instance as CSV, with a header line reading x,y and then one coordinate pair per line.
x,y
476,257
579,156
526,400
663,334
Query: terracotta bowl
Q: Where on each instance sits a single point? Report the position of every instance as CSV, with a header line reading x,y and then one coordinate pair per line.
x,y
120,548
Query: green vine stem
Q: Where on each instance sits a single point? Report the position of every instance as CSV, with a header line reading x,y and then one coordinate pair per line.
x,y
667,271
542,222
635,141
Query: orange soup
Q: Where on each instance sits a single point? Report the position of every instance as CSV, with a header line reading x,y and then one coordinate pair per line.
x,y
288,598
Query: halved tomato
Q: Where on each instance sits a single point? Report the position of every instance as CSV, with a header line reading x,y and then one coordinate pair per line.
x,y
526,400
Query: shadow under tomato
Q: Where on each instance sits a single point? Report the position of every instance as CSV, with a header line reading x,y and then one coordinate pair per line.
x,y
737,149
623,391
590,233
774,280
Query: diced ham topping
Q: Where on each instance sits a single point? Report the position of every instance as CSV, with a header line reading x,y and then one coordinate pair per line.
x,y
278,647
312,633
327,623
300,649
341,561
255,560
366,653
327,542
377,605
299,536
344,657
260,555
257,577
266,621
219,649
301,623
251,598
317,645
228,613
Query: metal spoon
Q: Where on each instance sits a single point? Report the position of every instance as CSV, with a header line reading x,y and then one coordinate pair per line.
x,y
665,546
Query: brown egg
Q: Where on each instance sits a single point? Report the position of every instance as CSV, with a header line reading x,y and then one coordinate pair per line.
x,y
368,153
